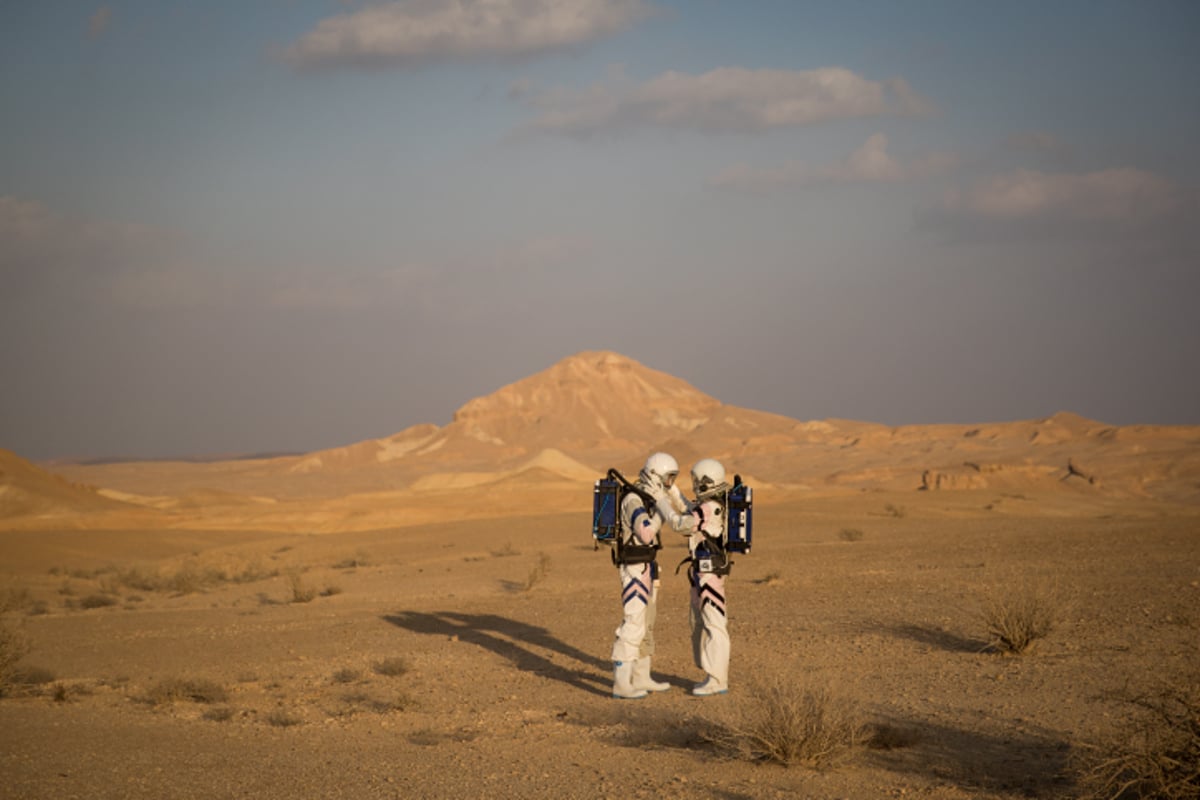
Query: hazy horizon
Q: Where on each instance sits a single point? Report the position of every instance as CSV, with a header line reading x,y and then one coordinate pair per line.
x,y
232,229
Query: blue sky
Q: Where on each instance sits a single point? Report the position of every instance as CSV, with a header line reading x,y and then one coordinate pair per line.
x,y
285,225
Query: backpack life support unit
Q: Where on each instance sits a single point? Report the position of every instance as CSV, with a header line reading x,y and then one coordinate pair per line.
x,y
737,533
607,496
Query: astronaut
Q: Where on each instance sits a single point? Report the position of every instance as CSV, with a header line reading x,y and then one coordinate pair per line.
x,y
706,574
633,647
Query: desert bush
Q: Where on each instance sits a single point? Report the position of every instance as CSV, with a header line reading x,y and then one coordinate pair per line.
x,y
355,701
194,690
15,600
346,675
282,718
97,601
1155,754
392,667
63,692
895,511
537,573
359,559
30,676
784,722
850,535
219,714
13,647
301,592
1016,619
190,577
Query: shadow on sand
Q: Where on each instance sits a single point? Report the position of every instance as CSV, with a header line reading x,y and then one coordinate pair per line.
x,y
1031,761
932,637
514,640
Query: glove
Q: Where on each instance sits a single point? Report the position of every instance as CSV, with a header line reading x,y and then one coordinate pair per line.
x,y
655,489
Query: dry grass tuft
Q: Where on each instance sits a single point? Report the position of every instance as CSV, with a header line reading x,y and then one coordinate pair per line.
x,y
359,701
14,645
190,689
392,667
346,675
31,676
784,722
95,601
1016,620
15,599
1156,754
301,592
850,535
360,559
538,573
282,718
770,579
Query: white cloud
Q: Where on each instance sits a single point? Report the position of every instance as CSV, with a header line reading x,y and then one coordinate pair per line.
x,y
1120,196
870,163
414,32
723,99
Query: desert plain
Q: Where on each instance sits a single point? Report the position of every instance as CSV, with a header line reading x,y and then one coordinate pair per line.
x,y
426,615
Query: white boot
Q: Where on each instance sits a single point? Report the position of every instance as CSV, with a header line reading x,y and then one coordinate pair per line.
x,y
623,688
642,679
710,687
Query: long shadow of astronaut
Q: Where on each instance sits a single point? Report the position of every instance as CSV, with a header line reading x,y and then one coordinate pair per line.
x,y
510,638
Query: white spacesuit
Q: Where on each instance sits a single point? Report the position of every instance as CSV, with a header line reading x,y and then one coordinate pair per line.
x,y
633,647
709,565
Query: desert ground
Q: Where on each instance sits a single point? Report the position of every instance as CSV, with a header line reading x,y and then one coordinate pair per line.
x,y
437,622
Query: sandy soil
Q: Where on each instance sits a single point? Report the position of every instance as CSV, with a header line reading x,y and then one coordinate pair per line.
x,y
505,626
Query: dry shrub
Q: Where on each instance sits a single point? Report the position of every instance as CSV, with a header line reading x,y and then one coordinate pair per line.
x,y
346,675
192,689
31,676
63,692
1016,620
1156,754
850,535
15,600
353,702
282,718
360,559
301,592
392,667
190,577
537,573
785,722
219,714
98,601
13,647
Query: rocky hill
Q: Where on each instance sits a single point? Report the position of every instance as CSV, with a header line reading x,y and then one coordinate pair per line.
x,y
550,434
